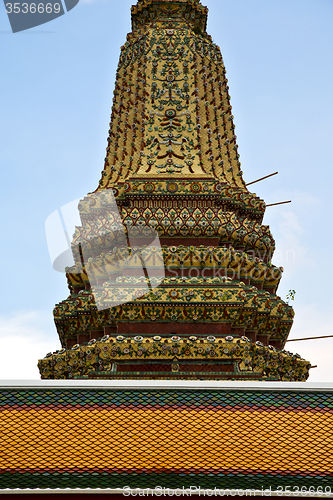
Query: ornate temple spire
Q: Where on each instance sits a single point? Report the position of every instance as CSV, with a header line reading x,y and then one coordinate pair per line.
x,y
173,166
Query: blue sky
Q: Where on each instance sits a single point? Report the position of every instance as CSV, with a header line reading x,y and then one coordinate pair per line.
x,y
56,95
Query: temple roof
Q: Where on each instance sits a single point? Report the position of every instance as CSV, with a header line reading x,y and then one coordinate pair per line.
x,y
143,434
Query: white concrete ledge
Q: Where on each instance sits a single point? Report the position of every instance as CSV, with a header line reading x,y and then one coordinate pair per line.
x,y
169,385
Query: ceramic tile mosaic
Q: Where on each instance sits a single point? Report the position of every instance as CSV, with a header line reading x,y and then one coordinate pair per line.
x,y
110,438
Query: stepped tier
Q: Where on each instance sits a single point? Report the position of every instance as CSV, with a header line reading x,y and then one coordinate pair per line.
x,y
201,306
172,170
186,220
175,358
178,261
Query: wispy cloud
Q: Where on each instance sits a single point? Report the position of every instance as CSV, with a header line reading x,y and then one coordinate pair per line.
x,y
290,230
310,321
292,251
25,337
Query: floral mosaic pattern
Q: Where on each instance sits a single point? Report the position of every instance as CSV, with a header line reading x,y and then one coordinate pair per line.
x,y
99,359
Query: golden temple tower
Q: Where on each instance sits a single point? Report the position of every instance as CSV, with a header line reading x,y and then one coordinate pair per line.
x,y
172,165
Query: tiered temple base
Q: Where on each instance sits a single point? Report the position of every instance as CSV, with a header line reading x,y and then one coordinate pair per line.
x,y
175,358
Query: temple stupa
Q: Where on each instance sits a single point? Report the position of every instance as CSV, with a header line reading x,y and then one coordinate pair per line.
x,y
172,165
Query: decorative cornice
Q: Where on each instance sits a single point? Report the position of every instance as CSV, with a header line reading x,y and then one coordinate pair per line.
x,y
99,359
